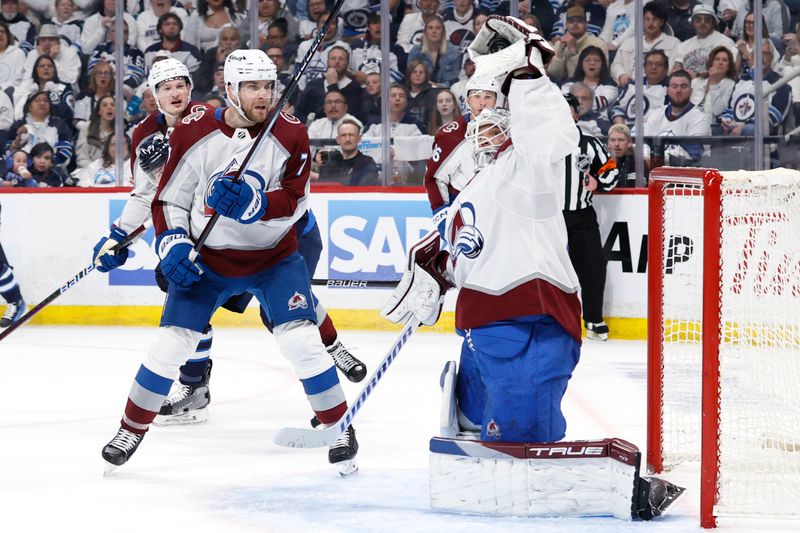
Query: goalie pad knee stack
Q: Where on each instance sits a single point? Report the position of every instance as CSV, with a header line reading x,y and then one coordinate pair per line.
x,y
579,478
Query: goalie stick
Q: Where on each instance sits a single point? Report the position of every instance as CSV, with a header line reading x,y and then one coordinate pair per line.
x,y
320,438
124,243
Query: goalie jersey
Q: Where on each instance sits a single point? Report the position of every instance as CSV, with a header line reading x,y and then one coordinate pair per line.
x,y
204,149
508,240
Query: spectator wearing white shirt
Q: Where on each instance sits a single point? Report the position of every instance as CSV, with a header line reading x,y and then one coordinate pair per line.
x,y
712,94
147,22
12,59
97,25
48,43
205,24
679,118
69,25
413,24
693,53
618,25
169,28
655,17
335,109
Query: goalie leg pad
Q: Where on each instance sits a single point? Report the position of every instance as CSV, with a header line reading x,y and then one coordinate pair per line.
x,y
448,419
580,478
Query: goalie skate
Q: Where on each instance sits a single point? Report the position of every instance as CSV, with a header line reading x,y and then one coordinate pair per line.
x,y
120,449
656,497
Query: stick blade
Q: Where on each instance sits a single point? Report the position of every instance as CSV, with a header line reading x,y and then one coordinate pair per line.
x,y
307,438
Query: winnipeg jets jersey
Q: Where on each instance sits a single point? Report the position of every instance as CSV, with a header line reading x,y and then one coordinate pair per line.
x,y
204,149
506,232
137,210
450,166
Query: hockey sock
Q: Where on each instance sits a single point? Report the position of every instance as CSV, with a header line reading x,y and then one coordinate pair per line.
x,y
144,400
192,372
8,285
327,331
325,396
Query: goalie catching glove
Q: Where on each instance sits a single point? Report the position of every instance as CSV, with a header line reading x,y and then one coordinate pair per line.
x,y
420,292
507,44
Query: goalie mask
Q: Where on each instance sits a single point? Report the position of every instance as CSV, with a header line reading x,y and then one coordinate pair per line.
x,y
248,65
486,133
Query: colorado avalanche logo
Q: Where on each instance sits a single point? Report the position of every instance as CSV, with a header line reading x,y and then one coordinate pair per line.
x,y
251,176
493,430
450,127
297,301
466,237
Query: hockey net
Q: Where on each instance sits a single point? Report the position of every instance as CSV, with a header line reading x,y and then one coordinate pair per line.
x,y
724,336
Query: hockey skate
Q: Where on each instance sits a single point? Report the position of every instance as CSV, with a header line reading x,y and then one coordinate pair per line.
x,y
187,405
597,331
656,497
342,453
120,449
14,312
351,367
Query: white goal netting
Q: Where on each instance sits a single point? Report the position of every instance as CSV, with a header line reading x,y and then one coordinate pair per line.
x,y
759,343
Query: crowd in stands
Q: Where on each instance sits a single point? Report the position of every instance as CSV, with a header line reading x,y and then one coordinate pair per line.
x,y
58,69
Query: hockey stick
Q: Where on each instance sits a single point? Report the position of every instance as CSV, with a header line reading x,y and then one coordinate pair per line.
x,y
355,283
319,438
272,117
124,243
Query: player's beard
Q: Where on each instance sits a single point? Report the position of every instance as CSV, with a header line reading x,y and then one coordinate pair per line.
x,y
258,116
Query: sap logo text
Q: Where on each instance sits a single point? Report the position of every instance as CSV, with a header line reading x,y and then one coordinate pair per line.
x,y
370,238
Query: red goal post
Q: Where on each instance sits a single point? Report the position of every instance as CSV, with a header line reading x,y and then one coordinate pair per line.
x,y
724,336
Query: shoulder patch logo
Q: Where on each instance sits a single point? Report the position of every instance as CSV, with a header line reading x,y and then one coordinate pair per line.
x,y
297,301
196,114
466,238
450,127
291,119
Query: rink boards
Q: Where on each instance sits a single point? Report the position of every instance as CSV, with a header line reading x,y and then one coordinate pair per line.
x,y
48,236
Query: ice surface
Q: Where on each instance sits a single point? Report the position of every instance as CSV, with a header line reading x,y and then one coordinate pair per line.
x,y
62,391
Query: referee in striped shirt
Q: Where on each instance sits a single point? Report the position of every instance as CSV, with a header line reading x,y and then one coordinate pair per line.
x,y
588,169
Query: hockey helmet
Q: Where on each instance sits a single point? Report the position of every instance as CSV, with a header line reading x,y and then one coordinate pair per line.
x,y
482,84
247,65
166,70
486,132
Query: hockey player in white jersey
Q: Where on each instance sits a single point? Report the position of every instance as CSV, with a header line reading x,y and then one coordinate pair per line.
x,y
518,308
253,249
171,83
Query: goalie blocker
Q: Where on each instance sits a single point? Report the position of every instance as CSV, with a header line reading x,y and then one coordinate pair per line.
x,y
578,478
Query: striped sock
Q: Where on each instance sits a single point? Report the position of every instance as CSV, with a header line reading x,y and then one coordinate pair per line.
x,y
325,395
192,371
8,285
144,400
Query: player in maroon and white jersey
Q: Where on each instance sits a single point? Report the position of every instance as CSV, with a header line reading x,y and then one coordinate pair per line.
x,y
450,166
171,83
252,249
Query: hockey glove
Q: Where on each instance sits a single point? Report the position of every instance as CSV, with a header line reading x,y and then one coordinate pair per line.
x,y
421,291
440,220
238,200
506,44
103,258
152,153
173,247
